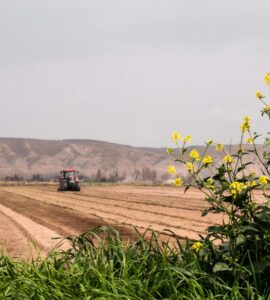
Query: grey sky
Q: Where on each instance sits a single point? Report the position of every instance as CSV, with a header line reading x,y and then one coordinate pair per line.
x,y
132,71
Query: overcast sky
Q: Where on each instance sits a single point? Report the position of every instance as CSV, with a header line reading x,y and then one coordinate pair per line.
x,y
132,71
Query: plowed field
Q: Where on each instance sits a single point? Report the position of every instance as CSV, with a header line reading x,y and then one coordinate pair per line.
x,y
65,213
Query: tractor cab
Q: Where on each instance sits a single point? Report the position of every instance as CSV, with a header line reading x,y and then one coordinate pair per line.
x,y
69,180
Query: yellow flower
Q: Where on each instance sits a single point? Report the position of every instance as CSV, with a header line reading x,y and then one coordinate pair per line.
x,y
228,159
208,160
267,108
178,181
171,170
197,246
233,192
194,154
245,126
169,150
237,187
251,184
187,138
267,79
259,95
250,140
263,180
209,142
190,166
176,137
219,147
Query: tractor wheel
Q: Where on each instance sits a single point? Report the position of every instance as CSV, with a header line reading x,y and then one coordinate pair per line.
x,y
64,187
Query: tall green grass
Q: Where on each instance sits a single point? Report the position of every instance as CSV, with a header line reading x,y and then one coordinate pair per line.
x,y
99,265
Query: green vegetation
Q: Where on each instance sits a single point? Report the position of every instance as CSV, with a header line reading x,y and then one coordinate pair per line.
x,y
239,249
117,270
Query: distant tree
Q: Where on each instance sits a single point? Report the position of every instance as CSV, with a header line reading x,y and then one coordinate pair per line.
x,y
37,177
149,174
15,177
98,176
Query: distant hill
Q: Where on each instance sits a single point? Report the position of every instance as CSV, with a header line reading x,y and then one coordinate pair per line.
x,y
27,157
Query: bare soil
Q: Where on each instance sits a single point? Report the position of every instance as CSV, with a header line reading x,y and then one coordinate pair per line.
x,y
72,213
12,239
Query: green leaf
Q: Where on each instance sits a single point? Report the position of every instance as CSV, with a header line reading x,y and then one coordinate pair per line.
x,y
184,151
182,271
205,212
240,169
259,266
229,199
220,174
263,214
221,267
215,228
210,199
248,228
240,239
187,187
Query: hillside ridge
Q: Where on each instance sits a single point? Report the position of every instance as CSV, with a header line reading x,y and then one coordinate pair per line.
x,y
27,157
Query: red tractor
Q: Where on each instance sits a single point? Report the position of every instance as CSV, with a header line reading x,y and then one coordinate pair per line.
x,y
69,180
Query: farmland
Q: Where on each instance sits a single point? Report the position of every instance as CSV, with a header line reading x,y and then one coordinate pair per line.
x,y
40,213
71,213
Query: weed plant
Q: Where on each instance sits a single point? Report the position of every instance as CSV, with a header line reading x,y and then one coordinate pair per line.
x,y
242,251
108,268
